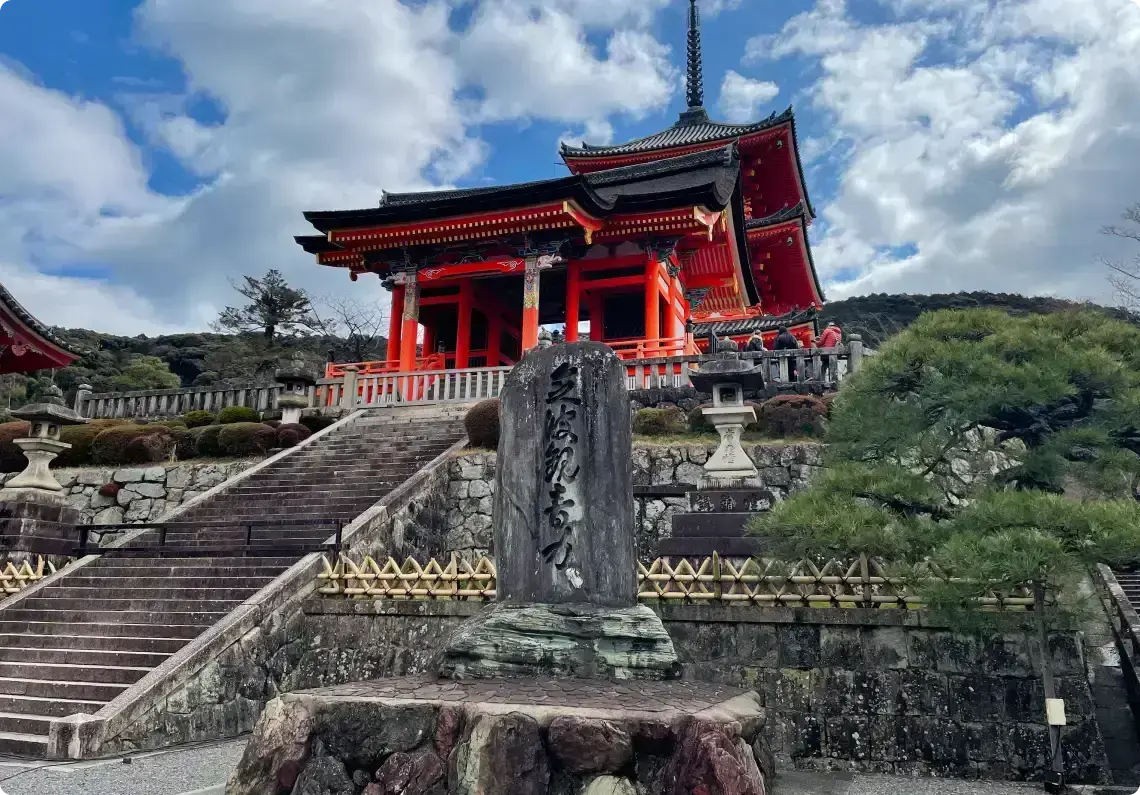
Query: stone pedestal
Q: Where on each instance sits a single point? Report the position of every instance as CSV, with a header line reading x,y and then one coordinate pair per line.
x,y
508,737
34,523
564,537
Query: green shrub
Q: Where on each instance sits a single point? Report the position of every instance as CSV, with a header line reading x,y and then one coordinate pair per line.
x,y
317,422
660,422
197,419
207,441
829,399
482,424
698,423
288,438
11,458
231,414
110,490
240,439
117,445
80,438
185,443
792,415
301,431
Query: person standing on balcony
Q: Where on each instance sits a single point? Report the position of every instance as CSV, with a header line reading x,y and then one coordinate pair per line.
x,y
786,341
755,342
832,337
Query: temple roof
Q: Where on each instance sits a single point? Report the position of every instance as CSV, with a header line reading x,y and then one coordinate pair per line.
x,y
26,344
780,216
801,215
706,178
747,325
694,127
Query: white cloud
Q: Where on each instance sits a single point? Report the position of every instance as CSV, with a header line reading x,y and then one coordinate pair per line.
x,y
981,146
320,111
741,97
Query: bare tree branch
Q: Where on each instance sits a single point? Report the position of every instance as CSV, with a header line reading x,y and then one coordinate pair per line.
x,y
360,323
1125,277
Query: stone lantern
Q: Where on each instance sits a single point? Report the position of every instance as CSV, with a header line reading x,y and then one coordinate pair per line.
x,y
35,517
727,377
42,443
295,381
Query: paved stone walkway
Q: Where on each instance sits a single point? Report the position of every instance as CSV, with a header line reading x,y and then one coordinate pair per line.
x,y
635,696
196,770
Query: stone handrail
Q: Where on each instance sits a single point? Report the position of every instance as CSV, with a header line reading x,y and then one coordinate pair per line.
x,y
158,403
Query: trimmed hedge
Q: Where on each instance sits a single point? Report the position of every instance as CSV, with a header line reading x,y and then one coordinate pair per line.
x,y
300,430
660,422
231,414
198,418
246,438
793,415
288,438
482,424
317,422
110,490
185,443
11,458
132,444
80,437
206,441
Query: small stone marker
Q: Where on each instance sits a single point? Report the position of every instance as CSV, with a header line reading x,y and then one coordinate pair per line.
x,y
565,556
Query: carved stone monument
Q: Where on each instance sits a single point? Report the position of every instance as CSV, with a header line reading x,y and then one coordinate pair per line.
x,y
564,537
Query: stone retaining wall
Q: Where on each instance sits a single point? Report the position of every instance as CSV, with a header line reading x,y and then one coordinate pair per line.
x,y
145,493
453,512
876,691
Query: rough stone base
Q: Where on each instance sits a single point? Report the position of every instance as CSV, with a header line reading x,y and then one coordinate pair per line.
x,y
570,640
33,523
533,736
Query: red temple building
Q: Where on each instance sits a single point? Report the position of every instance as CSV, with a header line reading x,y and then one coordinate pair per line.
x,y
26,344
654,243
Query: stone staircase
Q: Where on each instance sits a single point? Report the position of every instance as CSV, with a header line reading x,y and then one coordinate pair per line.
x,y
75,645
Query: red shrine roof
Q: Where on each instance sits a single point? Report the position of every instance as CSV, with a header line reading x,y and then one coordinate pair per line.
x,y
26,344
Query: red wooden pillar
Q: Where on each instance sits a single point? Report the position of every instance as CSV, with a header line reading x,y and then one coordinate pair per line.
x,y
429,340
395,323
573,299
652,301
530,305
675,315
463,335
411,324
597,317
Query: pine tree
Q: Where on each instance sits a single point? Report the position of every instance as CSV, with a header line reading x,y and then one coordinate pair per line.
x,y
275,308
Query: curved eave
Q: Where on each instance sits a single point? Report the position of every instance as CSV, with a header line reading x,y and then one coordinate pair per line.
x,y
795,215
739,227
667,138
42,349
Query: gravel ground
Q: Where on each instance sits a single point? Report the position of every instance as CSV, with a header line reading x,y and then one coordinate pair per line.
x,y
194,770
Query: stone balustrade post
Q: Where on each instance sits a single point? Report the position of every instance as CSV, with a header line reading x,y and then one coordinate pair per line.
x,y
81,396
348,392
854,352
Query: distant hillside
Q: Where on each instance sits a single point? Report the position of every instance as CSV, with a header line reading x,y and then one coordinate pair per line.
x,y
879,315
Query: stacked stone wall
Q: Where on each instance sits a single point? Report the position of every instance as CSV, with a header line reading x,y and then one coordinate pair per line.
x,y
453,512
873,691
144,493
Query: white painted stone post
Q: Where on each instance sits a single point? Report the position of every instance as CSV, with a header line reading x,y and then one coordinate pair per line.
x,y
348,394
854,352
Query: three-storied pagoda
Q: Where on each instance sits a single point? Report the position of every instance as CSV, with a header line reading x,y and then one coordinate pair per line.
x,y
655,242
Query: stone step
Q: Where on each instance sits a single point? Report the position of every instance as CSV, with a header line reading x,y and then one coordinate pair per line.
x,y
71,672
93,643
167,621
221,593
150,571
28,745
112,603
703,547
91,626
82,656
15,722
174,567
48,707
710,525
169,584
47,688
731,501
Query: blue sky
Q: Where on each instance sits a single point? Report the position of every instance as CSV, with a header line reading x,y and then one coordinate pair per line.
x,y
151,150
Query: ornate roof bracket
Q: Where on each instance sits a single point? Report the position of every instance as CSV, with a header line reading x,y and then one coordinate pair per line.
x,y
589,224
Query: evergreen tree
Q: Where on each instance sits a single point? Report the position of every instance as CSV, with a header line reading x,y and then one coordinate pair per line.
x,y
274,308
1005,450
145,372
